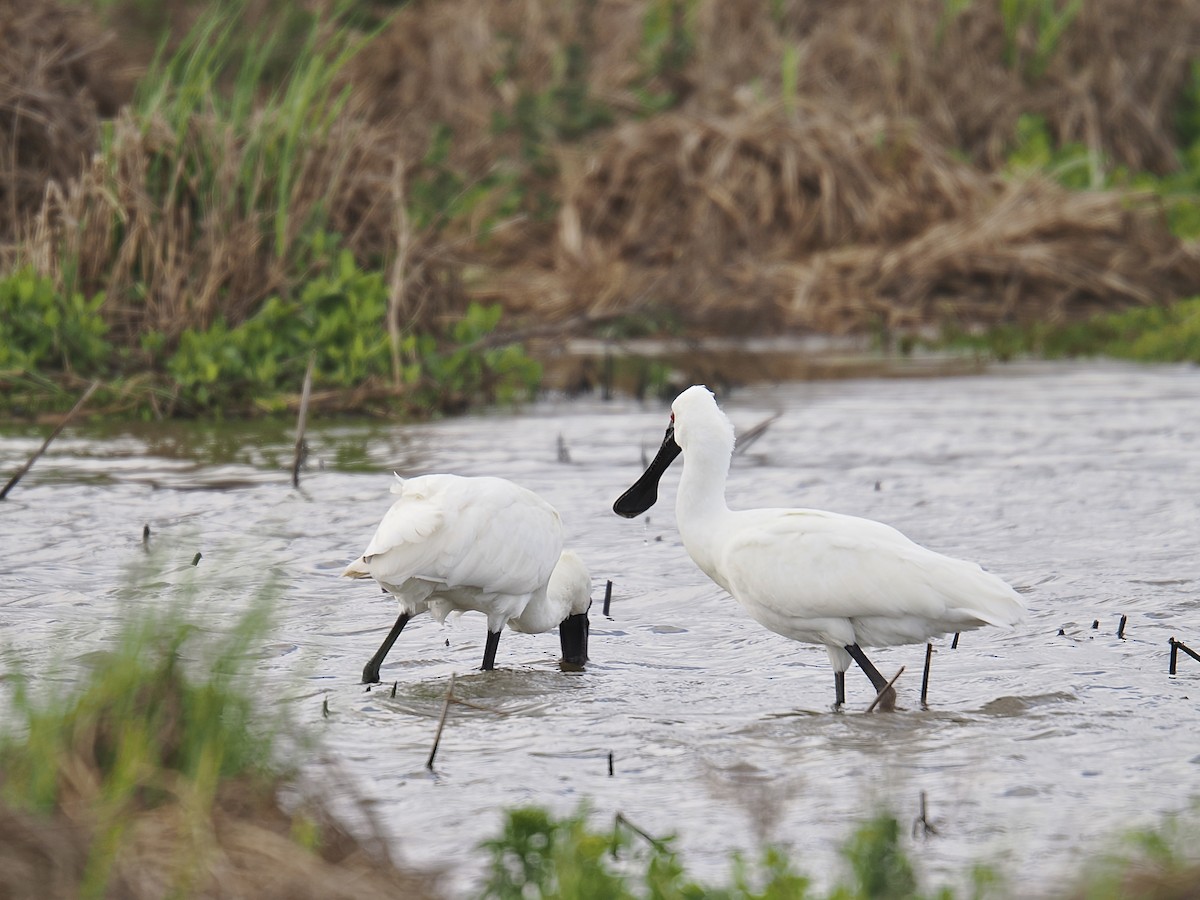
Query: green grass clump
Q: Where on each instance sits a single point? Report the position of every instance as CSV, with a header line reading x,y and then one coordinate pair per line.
x,y
216,75
162,721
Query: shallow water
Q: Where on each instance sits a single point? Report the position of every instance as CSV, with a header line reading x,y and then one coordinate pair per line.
x,y
1076,483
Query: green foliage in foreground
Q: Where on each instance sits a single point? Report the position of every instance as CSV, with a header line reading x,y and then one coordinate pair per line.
x,y
538,855
1148,334
144,730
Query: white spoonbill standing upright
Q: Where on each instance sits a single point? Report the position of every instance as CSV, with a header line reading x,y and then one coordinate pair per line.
x,y
452,543
809,575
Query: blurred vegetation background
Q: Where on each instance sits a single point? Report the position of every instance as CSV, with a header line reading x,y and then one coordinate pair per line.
x,y
197,194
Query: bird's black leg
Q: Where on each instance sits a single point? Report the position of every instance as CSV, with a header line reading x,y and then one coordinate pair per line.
x,y
371,669
489,651
839,689
887,701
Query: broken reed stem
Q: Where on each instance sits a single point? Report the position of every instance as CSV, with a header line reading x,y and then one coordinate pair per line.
x,y
879,696
1176,646
46,443
437,738
302,421
399,273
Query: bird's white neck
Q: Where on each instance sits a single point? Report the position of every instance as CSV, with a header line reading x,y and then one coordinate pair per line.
x,y
700,504
543,612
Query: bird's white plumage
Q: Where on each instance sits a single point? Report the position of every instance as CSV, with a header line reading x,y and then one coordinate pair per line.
x,y
451,544
817,576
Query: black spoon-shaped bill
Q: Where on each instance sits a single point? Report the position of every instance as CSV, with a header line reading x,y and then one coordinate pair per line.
x,y
644,493
573,635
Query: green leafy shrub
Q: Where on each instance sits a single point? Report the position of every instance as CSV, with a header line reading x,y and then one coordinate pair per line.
x,y
454,373
339,316
43,328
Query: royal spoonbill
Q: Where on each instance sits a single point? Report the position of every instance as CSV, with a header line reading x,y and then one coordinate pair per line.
x,y
810,575
451,543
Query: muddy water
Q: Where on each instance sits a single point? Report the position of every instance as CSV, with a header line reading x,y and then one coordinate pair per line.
x,y
1077,483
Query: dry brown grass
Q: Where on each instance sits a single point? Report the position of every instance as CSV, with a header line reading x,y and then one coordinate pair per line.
x,y
243,847
59,75
841,202
816,221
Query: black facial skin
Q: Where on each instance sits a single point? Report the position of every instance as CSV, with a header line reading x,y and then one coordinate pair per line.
x,y
644,493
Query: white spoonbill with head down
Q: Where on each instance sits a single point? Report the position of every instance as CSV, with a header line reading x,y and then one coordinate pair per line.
x,y
451,543
809,575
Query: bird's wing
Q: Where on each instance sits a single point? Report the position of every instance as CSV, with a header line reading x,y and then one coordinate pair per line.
x,y
812,564
484,533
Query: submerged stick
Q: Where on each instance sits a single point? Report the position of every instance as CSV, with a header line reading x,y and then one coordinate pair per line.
x,y
653,841
922,821
302,422
925,676
437,738
607,596
879,696
20,473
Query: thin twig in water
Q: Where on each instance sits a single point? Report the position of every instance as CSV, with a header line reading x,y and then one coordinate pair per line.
x,y
302,422
653,841
925,675
482,708
879,696
46,443
437,738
